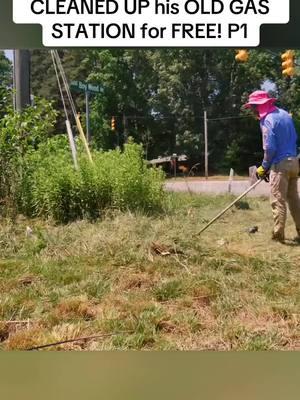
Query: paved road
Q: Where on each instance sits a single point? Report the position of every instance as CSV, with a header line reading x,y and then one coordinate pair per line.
x,y
219,187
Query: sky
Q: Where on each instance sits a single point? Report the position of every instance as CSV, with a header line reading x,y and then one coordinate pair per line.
x,y
9,54
268,86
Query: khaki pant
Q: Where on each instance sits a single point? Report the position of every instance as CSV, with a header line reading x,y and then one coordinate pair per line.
x,y
283,180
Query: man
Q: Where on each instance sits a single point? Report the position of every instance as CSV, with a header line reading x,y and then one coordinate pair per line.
x,y
280,158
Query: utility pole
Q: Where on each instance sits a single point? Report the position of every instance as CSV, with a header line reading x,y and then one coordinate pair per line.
x,y
125,128
21,79
206,145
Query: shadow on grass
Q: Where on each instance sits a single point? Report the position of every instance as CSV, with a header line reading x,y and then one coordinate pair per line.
x,y
291,243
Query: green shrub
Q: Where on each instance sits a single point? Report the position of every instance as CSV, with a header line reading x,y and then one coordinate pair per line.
x,y
51,187
21,133
38,177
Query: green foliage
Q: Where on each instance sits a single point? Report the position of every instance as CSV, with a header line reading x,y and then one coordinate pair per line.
x,y
5,83
38,177
52,188
21,133
5,100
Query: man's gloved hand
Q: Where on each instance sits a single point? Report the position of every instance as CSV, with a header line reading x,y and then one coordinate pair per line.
x,y
262,173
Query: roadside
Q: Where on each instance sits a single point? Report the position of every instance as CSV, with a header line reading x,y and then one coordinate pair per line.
x,y
236,187
212,178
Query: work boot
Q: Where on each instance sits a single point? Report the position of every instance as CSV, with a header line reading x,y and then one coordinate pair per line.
x,y
278,237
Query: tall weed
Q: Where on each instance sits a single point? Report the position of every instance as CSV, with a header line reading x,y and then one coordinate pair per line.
x,y
38,178
52,188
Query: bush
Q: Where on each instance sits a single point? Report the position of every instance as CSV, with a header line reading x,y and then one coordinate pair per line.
x,y
38,177
52,188
21,133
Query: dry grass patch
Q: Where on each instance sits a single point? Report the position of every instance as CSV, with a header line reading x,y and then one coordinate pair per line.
x,y
224,290
128,280
76,308
26,338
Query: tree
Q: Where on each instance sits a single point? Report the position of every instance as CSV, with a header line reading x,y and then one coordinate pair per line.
x,y
5,84
128,81
44,81
194,80
159,96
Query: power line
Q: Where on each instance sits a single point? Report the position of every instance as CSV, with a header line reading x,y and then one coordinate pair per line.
x,y
224,118
174,117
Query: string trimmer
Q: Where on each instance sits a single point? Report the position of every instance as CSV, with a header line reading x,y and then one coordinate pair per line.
x,y
230,205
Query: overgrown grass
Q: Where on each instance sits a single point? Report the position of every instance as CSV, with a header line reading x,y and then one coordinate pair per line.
x,y
224,290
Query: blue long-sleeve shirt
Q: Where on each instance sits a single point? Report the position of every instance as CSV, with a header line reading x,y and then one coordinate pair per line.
x,y
279,137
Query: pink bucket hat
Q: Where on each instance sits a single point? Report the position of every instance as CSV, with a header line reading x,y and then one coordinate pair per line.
x,y
259,97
